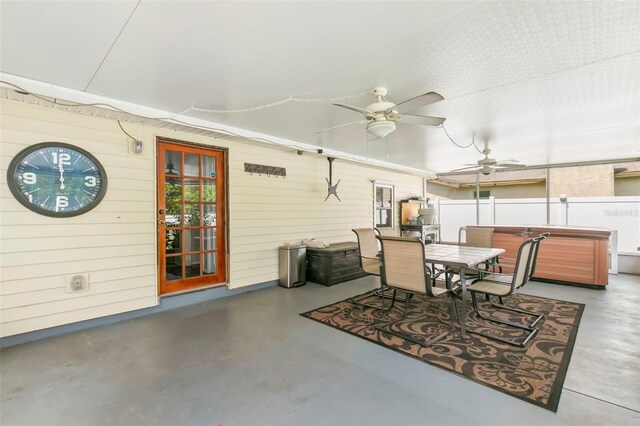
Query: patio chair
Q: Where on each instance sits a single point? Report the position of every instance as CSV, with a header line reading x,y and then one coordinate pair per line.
x,y
473,237
369,253
505,279
404,268
503,285
477,237
370,263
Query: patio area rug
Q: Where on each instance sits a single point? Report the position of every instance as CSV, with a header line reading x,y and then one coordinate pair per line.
x,y
534,373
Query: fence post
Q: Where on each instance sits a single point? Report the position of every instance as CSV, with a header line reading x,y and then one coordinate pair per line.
x,y
492,209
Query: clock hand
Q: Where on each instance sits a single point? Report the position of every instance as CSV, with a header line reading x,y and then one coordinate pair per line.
x,y
61,175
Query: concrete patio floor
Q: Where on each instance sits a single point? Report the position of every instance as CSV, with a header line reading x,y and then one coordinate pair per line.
x,y
251,359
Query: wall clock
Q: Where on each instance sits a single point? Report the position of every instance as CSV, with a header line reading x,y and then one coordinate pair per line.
x,y
57,179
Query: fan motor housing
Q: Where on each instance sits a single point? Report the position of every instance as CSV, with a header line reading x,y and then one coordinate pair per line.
x,y
380,107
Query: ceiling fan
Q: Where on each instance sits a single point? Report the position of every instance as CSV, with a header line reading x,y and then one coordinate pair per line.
x,y
382,115
487,165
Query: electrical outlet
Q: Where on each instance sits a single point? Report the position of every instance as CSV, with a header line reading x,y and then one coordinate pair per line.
x,y
77,282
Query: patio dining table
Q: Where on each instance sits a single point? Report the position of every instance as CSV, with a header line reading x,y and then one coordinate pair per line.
x,y
462,257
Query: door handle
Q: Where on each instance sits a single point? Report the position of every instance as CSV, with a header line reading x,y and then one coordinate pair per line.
x,y
161,222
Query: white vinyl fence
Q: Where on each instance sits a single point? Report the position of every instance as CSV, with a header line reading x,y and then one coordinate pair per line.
x,y
620,214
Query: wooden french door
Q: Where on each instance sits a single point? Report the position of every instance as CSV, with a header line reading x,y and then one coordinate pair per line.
x,y
191,216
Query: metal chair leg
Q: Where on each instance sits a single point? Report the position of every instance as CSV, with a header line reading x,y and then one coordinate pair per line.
x,y
532,331
392,298
386,328
379,293
501,305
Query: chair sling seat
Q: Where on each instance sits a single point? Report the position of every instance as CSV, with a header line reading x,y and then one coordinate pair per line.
x,y
437,291
487,287
497,278
370,266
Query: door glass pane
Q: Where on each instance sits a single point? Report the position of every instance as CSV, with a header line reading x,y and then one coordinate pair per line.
x,y
209,263
172,162
173,241
191,240
191,165
209,211
174,268
209,191
172,189
383,218
210,235
208,166
192,265
192,215
191,190
173,214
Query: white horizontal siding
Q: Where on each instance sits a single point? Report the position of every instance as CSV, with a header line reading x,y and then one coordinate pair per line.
x,y
28,285
267,211
115,242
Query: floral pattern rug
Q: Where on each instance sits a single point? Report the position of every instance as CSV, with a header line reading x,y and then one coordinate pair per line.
x,y
534,373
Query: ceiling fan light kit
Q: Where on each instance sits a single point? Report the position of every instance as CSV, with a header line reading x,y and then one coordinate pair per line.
x,y
381,129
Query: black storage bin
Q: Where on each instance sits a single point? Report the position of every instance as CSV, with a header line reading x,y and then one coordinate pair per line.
x,y
335,264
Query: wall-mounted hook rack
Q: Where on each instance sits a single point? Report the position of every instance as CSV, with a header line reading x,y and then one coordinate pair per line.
x,y
267,170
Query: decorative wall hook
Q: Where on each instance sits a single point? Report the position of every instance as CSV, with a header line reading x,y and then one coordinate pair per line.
x,y
332,189
267,170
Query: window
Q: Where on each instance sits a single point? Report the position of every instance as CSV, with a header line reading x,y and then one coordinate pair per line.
x,y
383,205
483,194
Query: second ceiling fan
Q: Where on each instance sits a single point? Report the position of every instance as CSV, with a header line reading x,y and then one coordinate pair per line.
x,y
382,115
487,165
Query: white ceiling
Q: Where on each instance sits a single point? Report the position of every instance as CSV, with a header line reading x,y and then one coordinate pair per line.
x,y
543,82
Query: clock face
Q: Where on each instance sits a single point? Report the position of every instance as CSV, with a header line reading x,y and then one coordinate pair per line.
x,y
57,179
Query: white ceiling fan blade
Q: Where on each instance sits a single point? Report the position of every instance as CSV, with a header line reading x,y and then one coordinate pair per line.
x,y
416,103
368,114
508,161
342,125
467,168
509,166
423,120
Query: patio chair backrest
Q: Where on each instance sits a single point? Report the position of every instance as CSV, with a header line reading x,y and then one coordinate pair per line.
x,y
534,255
476,237
368,245
403,265
523,263
386,231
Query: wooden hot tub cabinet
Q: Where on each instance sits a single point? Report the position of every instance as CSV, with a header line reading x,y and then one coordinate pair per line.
x,y
573,255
